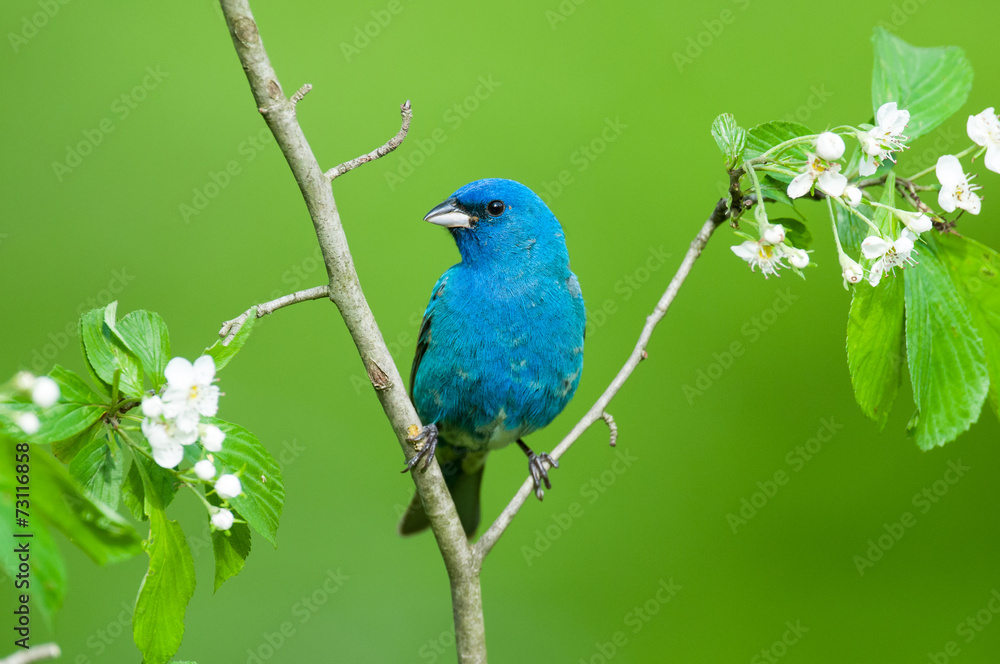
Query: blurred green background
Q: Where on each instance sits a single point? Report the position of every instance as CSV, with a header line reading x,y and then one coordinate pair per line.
x,y
515,90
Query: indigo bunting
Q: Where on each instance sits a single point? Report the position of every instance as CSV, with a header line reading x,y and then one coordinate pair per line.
x,y
500,348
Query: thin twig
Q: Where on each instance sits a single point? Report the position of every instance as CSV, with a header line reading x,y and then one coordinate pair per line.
x,y
612,428
302,92
33,654
346,293
231,327
380,151
597,411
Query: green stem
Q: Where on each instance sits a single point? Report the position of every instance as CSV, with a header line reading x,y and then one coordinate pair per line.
x,y
865,219
760,198
930,169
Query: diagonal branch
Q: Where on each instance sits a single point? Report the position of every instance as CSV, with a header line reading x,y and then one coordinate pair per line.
x,y
380,151
346,293
597,411
231,327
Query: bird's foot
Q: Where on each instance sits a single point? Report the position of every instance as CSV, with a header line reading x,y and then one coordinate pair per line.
x,y
425,442
536,466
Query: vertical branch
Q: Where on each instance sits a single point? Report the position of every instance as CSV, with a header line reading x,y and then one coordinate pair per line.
x,y
346,293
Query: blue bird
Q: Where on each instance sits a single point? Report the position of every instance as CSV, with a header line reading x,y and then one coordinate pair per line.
x,y
500,348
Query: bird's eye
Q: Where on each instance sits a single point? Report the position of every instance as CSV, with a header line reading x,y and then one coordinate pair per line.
x,y
495,208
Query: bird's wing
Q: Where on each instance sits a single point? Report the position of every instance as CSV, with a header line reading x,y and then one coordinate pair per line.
x,y
424,336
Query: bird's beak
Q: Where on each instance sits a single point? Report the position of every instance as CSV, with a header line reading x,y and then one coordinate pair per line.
x,y
450,215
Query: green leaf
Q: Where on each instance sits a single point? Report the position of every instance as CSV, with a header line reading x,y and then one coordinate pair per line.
x,y
56,499
975,271
66,450
262,500
99,471
765,136
945,353
60,422
158,485
48,571
145,334
223,354
875,353
930,83
731,139
106,354
796,232
73,389
775,189
133,494
158,622
851,230
231,550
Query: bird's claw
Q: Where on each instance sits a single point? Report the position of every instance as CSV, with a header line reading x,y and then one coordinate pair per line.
x,y
429,436
539,474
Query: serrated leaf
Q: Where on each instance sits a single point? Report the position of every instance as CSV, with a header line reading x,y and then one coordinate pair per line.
x,y
158,485
851,230
106,354
975,271
931,83
58,423
231,550
158,621
223,354
57,499
262,500
133,495
765,136
145,334
875,353
776,190
99,471
48,571
731,139
73,389
945,353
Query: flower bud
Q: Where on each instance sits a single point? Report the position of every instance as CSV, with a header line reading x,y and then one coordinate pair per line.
x,y
223,519
797,258
917,222
29,423
774,235
45,393
204,469
152,406
228,486
829,146
211,437
853,196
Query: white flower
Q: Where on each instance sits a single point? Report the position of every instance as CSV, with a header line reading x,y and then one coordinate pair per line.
x,y
24,381
984,129
882,140
761,254
826,176
774,234
211,437
45,392
917,222
798,258
166,440
853,196
152,406
830,146
888,255
190,393
29,423
852,270
223,519
228,486
204,469
955,188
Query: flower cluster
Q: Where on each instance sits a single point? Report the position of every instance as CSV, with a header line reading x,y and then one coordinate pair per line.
x,y
823,171
173,420
44,394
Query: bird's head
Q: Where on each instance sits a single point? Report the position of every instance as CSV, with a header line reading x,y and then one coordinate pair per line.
x,y
494,220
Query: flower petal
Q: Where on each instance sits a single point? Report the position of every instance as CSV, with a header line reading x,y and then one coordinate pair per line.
x,y
946,199
874,246
204,370
867,166
992,160
179,373
747,251
168,456
833,183
973,204
949,171
800,185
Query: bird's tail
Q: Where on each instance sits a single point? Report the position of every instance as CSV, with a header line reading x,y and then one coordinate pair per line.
x,y
463,473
